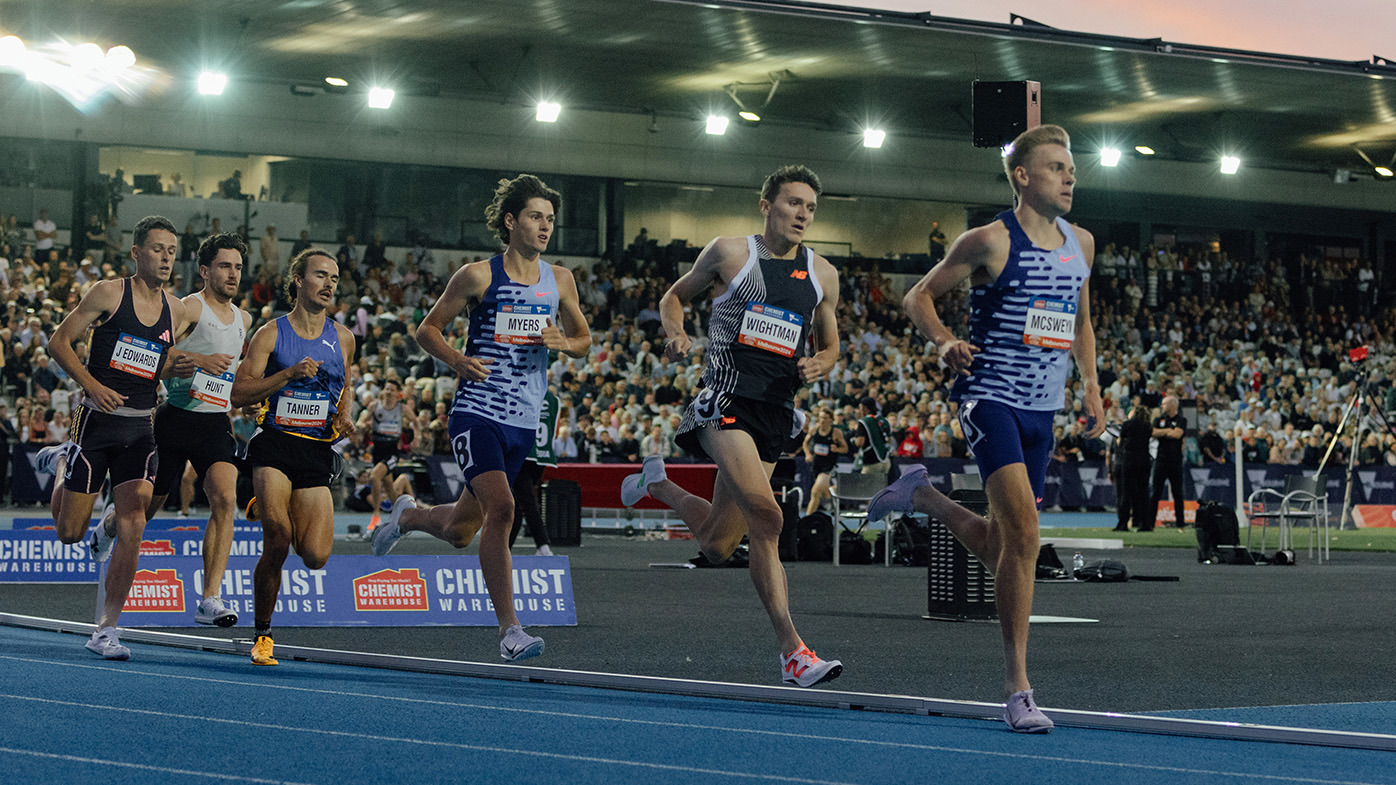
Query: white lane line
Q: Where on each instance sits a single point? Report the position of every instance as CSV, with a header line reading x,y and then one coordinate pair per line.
x,y
919,747
430,743
145,767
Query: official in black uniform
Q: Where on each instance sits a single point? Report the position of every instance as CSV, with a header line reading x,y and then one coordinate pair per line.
x,y
1169,428
1129,467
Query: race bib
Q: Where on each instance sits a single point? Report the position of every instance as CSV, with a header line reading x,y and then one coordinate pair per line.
x,y
302,409
212,390
521,324
771,328
136,356
821,449
1050,323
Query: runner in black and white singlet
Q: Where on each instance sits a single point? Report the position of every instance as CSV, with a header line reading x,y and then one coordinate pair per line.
x,y
193,426
771,296
520,308
135,322
382,421
1029,273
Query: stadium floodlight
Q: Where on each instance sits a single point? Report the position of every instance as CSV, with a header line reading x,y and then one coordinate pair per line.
x,y
87,57
12,51
380,97
212,83
717,124
1109,156
873,137
120,58
336,81
1230,164
1384,171
1143,149
548,111
750,117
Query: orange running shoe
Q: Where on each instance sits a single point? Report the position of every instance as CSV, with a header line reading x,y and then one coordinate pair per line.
x,y
261,651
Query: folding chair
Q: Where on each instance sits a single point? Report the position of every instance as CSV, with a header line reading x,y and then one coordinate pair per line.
x,y
854,490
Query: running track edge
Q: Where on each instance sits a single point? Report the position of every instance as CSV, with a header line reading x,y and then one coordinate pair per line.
x,y
832,699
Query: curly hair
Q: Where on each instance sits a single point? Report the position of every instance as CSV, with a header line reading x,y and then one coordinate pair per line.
x,y
510,198
214,243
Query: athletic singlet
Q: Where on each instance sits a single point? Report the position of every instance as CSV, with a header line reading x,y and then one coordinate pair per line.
x,y
205,392
760,326
822,445
542,452
1024,324
387,423
127,356
305,407
506,326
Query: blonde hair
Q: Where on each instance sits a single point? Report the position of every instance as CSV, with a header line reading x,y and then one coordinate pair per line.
x,y
1020,149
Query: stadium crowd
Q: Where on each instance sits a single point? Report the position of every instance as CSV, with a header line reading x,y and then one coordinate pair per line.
x,y
1260,346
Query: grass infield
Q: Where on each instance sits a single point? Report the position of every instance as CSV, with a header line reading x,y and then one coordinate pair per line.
x,y
1160,537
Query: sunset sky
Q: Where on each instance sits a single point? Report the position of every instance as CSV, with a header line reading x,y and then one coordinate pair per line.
x,y
1336,29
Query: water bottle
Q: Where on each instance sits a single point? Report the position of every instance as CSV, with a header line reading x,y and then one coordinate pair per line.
x,y
1077,563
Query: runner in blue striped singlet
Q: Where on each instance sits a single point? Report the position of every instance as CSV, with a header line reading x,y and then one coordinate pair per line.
x,y
520,308
773,329
1029,318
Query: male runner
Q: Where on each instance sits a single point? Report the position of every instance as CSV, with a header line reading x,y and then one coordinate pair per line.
x,y
1029,315
519,307
770,295
194,425
295,368
383,418
135,321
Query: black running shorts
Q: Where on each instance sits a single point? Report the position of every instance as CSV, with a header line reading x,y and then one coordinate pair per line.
x,y
202,438
103,444
307,463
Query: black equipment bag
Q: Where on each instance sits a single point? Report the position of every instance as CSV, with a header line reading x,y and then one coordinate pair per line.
x,y
562,511
1104,572
1216,527
814,537
788,496
854,548
1049,564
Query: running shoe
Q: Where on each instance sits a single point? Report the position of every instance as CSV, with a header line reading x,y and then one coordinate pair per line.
x,y
46,461
636,486
805,669
519,645
799,426
1023,716
214,613
252,513
101,541
387,535
104,643
898,497
261,651
544,550
374,523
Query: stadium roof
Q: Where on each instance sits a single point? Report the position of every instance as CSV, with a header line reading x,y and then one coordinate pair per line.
x,y
822,66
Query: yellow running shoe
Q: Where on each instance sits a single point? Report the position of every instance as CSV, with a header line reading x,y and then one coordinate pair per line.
x,y
252,513
261,651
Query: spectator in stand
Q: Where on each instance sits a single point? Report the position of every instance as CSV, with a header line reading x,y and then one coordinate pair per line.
x,y
269,248
45,233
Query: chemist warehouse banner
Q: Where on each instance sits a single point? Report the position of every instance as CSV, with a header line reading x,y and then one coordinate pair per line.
x,y
34,555
392,591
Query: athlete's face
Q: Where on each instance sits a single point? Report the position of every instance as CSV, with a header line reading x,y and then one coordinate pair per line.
x,y
223,274
155,257
390,394
318,284
1048,179
531,229
789,215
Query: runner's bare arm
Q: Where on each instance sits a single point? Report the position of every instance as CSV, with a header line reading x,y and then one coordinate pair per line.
x,y
98,304
469,282
970,253
825,328
1083,345
706,272
570,333
249,385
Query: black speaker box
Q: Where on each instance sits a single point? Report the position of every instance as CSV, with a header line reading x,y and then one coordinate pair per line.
x,y
1002,110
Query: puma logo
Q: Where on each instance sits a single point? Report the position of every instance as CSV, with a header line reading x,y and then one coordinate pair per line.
x,y
327,343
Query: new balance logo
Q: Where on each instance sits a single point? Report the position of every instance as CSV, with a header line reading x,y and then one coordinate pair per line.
x,y
801,274
794,668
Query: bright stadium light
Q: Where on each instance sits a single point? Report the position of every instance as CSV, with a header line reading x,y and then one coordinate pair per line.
x,y
1109,156
380,97
12,51
717,125
120,58
1143,149
750,117
87,57
548,111
1384,171
336,81
873,137
1230,164
212,83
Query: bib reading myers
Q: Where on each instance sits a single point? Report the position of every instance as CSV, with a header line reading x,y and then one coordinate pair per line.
x,y
303,409
521,324
136,356
771,328
214,390
1050,323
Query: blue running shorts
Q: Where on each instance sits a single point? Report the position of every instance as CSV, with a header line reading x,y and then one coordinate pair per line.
x,y
1001,435
483,445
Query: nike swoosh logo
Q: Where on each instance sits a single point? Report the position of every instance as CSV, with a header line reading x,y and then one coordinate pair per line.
x,y
542,294
1066,259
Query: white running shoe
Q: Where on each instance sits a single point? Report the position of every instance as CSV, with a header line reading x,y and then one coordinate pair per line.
x,y
518,645
104,643
100,543
544,550
214,613
636,486
46,461
1023,716
805,669
799,426
898,497
387,534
